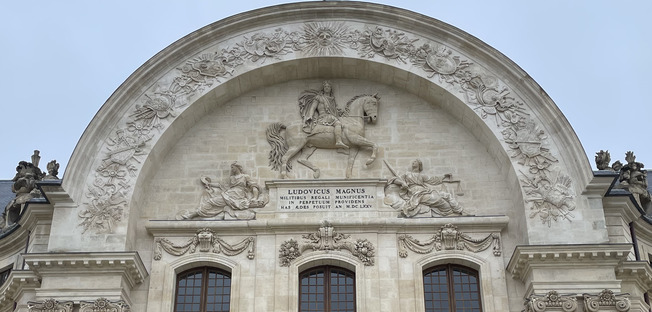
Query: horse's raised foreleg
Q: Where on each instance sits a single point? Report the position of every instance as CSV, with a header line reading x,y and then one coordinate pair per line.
x,y
307,152
353,152
361,141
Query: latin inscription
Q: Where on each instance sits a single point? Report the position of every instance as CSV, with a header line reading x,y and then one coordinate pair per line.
x,y
326,198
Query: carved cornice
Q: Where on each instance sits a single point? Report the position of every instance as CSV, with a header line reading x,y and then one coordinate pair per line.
x,y
17,282
638,271
127,264
104,305
50,305
525,258
35,213
448,238
207,241
169,228
327,239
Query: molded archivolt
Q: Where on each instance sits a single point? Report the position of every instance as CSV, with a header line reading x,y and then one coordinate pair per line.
x,y
498,102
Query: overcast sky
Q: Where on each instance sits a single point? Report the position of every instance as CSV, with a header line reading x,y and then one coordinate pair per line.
x,y
63,59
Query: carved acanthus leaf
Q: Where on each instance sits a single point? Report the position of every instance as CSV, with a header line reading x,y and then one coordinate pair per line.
x,y
327,239
448,238
104,305
50,305
606,298
553,300
207,241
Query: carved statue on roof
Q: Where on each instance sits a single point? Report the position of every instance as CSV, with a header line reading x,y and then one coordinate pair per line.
x,y
53,170
602,159
27,174
634,179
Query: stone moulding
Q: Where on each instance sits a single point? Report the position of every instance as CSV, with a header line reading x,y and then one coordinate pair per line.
x,y
50,305
104,305
108,193
326,239
207,241
17,282
552,301
448,238
126,264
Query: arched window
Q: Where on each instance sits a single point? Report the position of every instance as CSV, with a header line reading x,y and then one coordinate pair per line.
x,y
203,289
451,288
327,288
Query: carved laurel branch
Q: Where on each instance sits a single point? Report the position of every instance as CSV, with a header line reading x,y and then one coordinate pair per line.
x,y
207,241
326,239
50,305
486,94
104,305
448,238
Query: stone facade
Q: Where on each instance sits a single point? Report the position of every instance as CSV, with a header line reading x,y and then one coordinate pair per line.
x,y
449,154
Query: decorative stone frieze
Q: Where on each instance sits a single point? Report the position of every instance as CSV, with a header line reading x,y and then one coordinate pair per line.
x,y
448,238
552,301
50,305
104,305
607,298
207,241
327,239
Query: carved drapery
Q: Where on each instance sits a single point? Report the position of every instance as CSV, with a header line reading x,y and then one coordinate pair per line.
x,y
327,239
448,238
207,241
50,305
104,305
550,198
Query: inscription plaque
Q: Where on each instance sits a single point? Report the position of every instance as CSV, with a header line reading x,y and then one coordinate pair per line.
x,y
328,195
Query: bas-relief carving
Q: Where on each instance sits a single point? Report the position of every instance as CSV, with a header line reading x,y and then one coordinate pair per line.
x,y
24,186
327,239
483,92
323,126
234,199
552,199
416,194
50,305
207,241
553,301
104,305
448,238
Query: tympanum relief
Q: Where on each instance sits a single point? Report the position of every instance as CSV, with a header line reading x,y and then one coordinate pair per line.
x,y
207,241
234,199
326,238
323,125
416,194
109,190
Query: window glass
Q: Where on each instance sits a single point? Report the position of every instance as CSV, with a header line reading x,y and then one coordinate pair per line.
x,y
451,288
203,290
327,288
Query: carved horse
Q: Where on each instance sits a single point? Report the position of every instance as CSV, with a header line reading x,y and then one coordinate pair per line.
x,y
359,110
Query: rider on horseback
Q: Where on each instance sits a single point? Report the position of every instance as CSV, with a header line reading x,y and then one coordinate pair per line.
x,y
318,107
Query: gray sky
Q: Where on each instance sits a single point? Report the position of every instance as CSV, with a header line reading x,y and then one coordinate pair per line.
x,y
63,59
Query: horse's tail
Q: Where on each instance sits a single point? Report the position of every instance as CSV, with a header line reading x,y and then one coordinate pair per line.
x,y
279,145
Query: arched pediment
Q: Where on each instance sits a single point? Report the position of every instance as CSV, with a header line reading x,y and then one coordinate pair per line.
x,y
496,101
